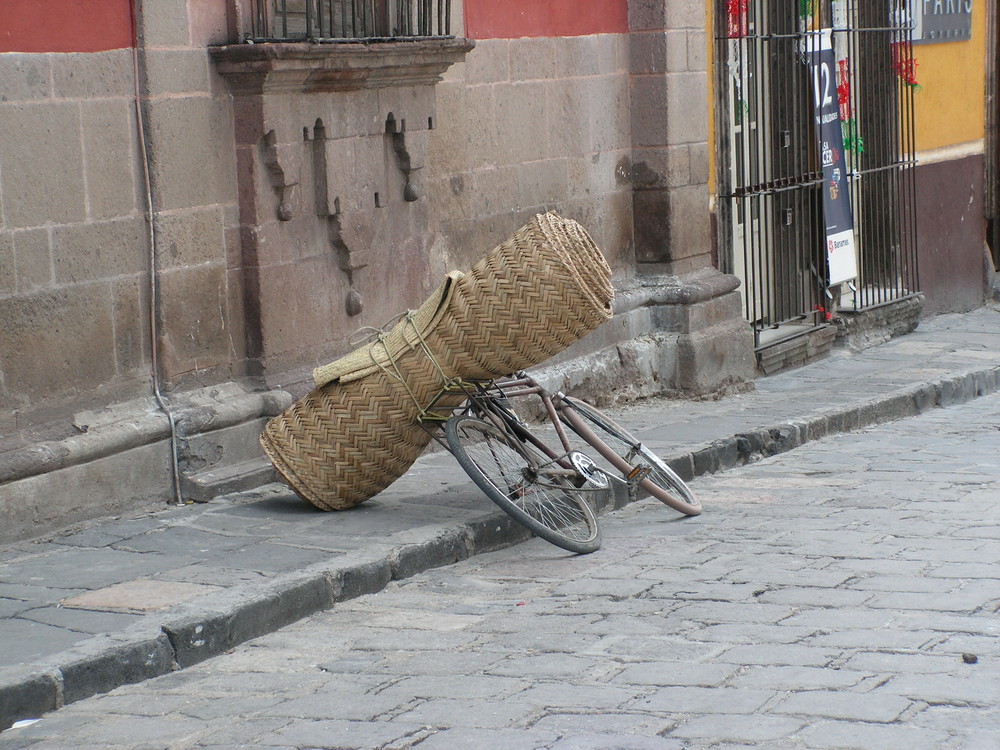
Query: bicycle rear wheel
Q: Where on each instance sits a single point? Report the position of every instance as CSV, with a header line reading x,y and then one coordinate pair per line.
x,y
512,474
627,454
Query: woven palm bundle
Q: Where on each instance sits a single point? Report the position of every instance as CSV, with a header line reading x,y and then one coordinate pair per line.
x,y
530,298
357,431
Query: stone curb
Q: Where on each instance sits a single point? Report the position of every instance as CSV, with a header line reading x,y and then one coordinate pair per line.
x,y
749,447
193,633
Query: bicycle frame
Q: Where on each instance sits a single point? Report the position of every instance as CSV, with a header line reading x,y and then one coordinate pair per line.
x,y
633,464
488,400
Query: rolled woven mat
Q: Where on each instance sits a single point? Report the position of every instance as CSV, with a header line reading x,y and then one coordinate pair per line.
x,y
351,437
528,299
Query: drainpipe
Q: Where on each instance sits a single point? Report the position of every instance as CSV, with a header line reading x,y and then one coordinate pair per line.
x,y
138,73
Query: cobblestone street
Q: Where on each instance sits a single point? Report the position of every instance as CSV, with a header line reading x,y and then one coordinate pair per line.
x,y
843,595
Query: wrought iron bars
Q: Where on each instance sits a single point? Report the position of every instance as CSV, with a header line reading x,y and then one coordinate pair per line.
x,y
771,226
331,20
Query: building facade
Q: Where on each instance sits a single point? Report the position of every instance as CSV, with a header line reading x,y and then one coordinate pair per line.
x,y
201,200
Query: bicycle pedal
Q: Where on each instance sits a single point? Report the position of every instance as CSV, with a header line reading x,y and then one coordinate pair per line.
x,y
638,473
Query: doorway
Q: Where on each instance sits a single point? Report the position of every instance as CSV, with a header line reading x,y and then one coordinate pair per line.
x,y
770,179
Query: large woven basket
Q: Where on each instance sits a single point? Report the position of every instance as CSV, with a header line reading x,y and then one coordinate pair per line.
x,y
357,431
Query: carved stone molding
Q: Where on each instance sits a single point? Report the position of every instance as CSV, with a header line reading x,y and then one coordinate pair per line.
x,y
343,66
331,143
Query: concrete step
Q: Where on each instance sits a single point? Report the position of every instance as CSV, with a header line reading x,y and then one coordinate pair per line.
x,y
203,485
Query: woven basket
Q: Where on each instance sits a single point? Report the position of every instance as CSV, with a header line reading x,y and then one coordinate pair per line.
x,y
357,431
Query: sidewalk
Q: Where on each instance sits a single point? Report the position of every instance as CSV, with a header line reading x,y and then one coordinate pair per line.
x,y
131,598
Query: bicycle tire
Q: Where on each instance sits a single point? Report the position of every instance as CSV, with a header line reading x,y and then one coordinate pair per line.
x,y
627,453
505,469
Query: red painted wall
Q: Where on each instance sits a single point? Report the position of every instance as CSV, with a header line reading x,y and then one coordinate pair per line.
x,y
65,25
510,19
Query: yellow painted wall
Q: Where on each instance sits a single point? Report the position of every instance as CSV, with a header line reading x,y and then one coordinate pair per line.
x,y
950,106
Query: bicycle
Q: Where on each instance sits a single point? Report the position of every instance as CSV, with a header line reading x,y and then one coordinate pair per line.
x,y
541,487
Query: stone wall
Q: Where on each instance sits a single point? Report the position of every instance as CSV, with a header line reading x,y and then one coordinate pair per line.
x,y
74,240
669,162
526,125
300,193
72,260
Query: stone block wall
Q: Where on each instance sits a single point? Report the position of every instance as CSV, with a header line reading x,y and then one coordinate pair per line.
x,y
72,236
669,161
526,125
191,146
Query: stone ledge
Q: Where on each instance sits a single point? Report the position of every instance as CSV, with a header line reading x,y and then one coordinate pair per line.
x,y
107,432
310,67
876,325
796,351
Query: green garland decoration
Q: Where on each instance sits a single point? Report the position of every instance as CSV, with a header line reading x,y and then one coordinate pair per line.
x,y
852,141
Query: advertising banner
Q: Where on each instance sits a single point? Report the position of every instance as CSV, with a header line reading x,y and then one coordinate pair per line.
x,y
841,261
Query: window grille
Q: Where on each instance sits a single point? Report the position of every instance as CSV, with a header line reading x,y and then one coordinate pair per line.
x,y
770,181
333,20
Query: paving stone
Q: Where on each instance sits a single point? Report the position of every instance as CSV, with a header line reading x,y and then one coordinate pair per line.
x,y
487,739
148,733
564,695
466,713
751,633
675,673
135,596
73,568
34,640
347,702
612,725
452,663
658,648
342,735
13,607
687,700
913,662
782,654
545,665
749,729
865,735
600,742
83,622
968,688
858,707
883,638
472,686
798,678
244,733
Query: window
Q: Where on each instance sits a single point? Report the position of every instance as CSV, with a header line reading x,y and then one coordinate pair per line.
x,y
322,20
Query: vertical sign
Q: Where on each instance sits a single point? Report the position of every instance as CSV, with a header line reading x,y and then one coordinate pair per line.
x,y
841,262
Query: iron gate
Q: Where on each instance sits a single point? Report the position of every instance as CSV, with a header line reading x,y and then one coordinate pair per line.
x,y
771,228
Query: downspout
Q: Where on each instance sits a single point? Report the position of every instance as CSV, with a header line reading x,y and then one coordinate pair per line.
x,y
138,63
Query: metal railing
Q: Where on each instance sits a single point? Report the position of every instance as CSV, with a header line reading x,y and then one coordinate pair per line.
x,y
771,229
332,20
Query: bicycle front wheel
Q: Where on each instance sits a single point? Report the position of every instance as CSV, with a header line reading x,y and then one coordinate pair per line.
x,y
513,475
628,454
